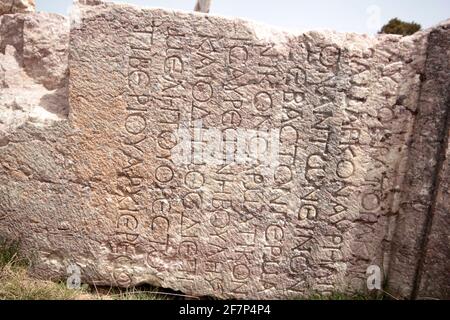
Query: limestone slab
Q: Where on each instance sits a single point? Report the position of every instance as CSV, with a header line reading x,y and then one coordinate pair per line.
x,y
219,157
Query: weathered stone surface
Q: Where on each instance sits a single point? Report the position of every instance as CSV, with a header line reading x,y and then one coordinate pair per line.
x,y
323,130
421,252
433,281
33,69
16,6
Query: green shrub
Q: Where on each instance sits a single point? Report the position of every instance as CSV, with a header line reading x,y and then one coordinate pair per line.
x,y
397,26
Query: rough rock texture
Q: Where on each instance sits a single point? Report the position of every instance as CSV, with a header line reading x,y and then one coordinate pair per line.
x,y
420,266
332,139
33,69
16,6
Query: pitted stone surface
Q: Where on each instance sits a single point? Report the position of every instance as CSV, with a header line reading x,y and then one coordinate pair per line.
x,y
132,188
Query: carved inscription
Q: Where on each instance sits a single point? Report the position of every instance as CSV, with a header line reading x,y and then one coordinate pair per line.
x,y
251,166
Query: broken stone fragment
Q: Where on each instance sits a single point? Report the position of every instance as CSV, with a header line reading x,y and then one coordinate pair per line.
x,y
16,6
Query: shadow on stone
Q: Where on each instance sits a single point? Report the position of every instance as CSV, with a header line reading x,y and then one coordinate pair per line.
x,y
57,102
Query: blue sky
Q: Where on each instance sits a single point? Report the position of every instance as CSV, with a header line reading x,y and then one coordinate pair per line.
x,y
362,16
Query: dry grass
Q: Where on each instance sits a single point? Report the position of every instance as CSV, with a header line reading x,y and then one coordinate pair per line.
x,y
16,284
